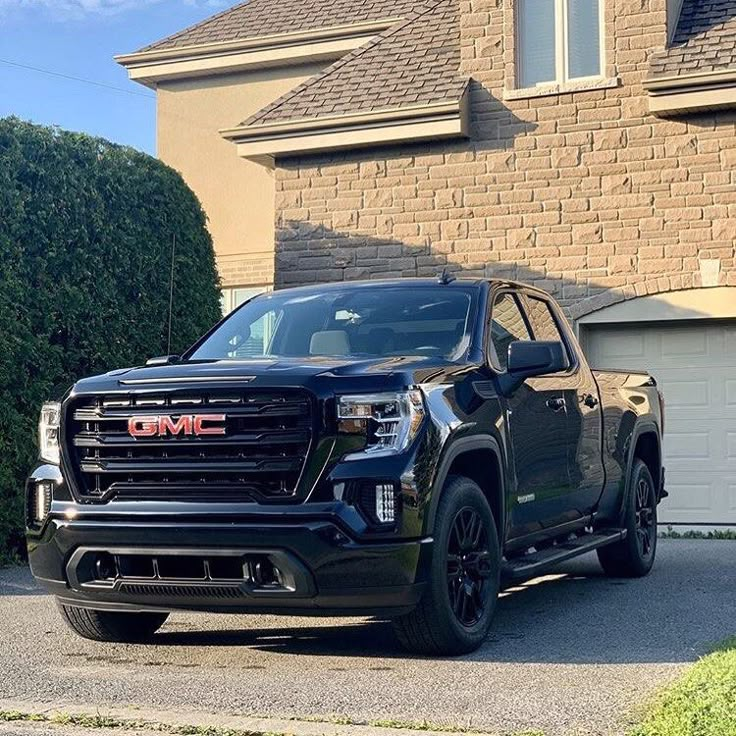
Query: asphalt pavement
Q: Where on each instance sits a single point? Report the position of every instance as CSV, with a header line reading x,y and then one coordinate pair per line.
x,y
571,653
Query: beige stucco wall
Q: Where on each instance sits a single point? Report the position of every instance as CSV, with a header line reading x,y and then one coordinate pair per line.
x,y
237,195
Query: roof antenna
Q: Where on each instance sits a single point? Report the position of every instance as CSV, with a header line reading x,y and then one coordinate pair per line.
x,y
445,277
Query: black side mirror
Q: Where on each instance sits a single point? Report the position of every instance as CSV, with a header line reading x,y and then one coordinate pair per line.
x,y
162,360
528,359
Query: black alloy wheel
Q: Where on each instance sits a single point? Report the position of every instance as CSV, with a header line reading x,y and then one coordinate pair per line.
x,y
646,529
456,610
633,556
468,566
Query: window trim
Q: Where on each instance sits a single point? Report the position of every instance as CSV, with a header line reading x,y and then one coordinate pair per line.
x,y
562,328
521,297
228,292
491,354
562,60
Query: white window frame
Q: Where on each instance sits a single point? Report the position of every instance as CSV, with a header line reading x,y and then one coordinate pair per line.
x,y
228,294
562,61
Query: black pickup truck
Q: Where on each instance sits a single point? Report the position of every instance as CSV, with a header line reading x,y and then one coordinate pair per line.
x,y
390,448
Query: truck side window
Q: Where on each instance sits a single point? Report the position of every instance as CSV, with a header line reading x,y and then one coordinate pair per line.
x,y
544,324
507,326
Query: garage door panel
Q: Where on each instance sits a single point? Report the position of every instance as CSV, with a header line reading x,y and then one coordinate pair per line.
x,y
731,445
730,341
690,394
695,499
707,387
731,393
686,496
677,343
695,367
687,445
630,346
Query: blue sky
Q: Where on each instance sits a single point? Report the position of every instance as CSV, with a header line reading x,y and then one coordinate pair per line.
x,y
78,38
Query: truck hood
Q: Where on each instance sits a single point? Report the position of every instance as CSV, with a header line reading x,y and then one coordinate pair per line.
x,y
391,372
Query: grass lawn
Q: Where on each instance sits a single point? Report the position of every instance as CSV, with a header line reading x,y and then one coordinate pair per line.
x,y
701,703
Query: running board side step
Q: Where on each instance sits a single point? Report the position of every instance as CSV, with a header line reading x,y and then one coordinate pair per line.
x,y
535,563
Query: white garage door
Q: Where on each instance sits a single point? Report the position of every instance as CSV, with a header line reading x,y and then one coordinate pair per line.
x,y
695,366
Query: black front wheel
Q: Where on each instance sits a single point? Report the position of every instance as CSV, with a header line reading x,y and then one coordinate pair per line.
x,y
633,557
112,626
455,613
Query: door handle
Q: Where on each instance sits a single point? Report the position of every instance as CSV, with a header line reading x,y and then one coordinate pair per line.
x,y
556,404
590,401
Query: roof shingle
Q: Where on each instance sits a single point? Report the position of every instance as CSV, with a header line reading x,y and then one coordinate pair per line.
x,y
414,62
269,17
704,41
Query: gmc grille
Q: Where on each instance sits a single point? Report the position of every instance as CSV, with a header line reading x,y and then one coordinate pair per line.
x,y
260,458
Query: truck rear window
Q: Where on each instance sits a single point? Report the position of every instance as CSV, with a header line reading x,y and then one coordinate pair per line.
x,y
356,322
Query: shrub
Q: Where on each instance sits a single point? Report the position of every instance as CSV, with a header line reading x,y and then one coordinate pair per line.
x,y
86,232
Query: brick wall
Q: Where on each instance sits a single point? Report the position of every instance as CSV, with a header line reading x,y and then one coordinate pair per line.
x,y
246,270
583,193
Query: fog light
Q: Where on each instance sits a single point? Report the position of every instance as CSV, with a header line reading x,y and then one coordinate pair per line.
x,y
377,500
385,503
42,501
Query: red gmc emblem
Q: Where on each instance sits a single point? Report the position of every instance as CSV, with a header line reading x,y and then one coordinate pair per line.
x,y
187,425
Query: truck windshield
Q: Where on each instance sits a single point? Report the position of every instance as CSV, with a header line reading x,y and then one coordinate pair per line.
x,y
357,322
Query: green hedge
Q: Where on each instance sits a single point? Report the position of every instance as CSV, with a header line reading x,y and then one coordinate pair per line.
x,y
86,229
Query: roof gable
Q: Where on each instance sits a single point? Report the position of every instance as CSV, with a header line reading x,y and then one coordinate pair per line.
x,y
413,63
704,40
257,18
403,85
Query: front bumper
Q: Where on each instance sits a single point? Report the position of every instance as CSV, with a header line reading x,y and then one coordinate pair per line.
x,y
323,569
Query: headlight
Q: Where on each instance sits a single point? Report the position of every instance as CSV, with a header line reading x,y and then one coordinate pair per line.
x,y
48,432
389,421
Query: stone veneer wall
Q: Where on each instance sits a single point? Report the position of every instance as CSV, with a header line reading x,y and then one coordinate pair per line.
x,y
246,270
583,193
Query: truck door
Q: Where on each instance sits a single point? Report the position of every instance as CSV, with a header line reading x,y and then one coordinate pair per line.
x,y
580,393
537,430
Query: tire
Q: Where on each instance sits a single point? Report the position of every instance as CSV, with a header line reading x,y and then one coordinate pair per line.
x,y
112,626
456,610
633,557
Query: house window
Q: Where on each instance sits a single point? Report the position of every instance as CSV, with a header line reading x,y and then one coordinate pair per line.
x,y
558,41
233,298
256,343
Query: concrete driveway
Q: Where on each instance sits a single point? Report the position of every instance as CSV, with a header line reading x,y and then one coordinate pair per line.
x,y
571,653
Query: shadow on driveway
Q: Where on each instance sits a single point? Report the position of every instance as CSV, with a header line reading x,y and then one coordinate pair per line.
x,y
574,615
573,652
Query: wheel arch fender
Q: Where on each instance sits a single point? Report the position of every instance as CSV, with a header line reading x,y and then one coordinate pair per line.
x,y
493,486
646,426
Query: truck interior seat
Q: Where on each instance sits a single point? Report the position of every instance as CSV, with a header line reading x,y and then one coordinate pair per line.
x,y
329,342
